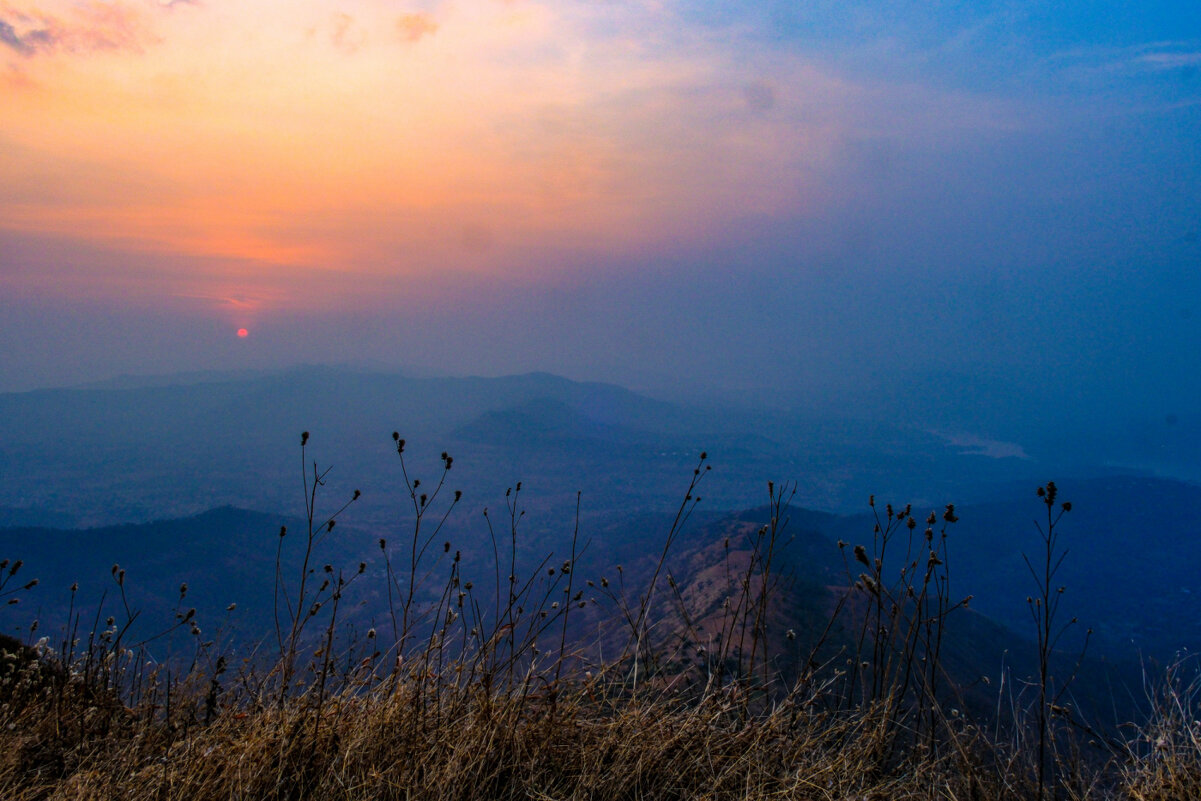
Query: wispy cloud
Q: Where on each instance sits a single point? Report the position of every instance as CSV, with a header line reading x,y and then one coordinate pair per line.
x,y
347,35
1171,60
81,28
29,42
414,27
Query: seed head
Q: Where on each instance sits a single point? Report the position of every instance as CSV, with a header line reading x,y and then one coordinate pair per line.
x,y
304,438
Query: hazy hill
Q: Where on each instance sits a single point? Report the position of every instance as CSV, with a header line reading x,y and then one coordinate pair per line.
x,y
133,451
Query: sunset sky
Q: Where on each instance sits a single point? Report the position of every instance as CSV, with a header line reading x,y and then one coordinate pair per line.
x,y
762,199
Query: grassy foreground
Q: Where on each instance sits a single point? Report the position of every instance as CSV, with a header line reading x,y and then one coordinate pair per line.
x,y
463,700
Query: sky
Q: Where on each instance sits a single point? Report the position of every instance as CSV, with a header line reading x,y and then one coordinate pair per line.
x,y
888,206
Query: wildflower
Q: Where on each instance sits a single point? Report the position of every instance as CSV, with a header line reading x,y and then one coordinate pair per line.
x,y
861,555
304,438
949,514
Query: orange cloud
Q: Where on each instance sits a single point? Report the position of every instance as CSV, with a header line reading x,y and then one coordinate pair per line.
x,y
347,35
412,27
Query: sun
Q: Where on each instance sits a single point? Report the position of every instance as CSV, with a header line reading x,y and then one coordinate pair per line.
x,y
243,333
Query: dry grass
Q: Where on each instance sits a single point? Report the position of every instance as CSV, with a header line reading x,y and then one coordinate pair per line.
x,y
401,741
462,703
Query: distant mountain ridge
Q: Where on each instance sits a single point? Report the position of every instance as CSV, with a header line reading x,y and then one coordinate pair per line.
x,y
147,448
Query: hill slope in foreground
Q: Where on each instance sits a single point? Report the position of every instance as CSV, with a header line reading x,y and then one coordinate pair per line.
x,y
483,706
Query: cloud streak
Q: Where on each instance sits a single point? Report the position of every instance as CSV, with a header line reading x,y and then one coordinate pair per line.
x,y
30,42
81,28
